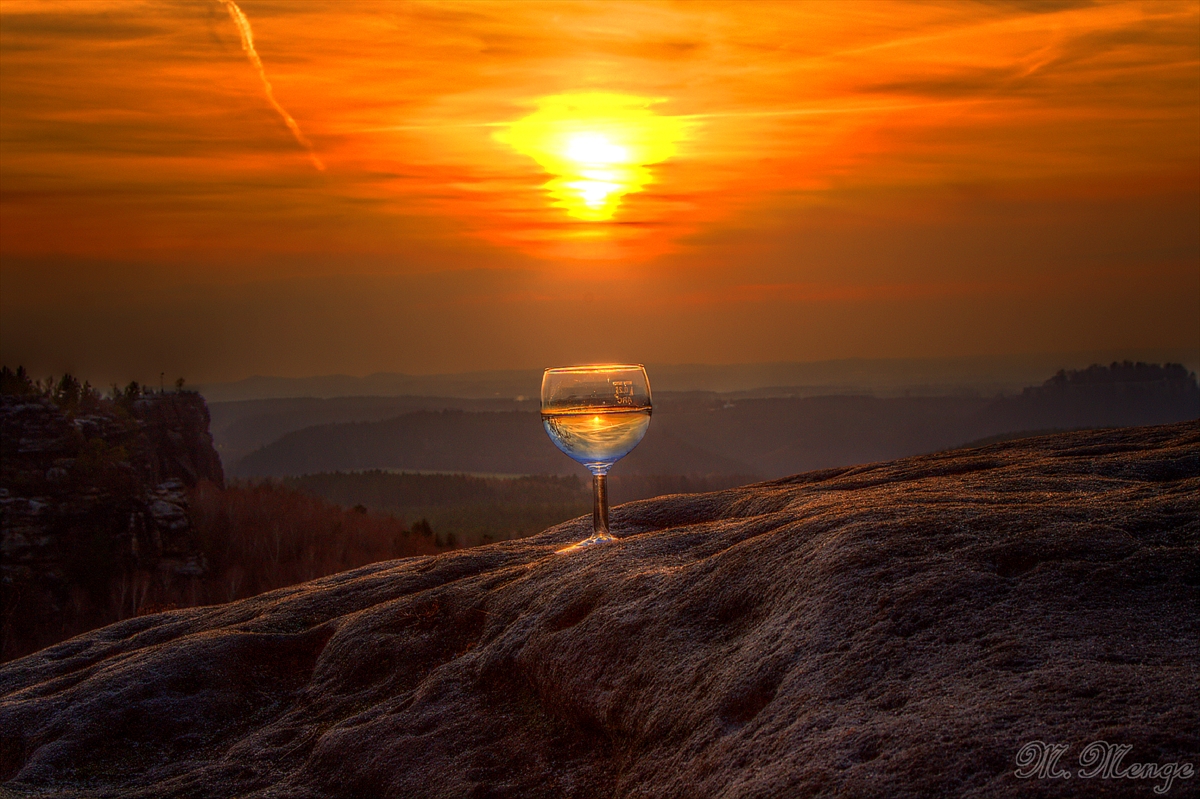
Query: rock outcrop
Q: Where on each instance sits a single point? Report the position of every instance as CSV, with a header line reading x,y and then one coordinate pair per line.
x,y
174,430
900,629
91,495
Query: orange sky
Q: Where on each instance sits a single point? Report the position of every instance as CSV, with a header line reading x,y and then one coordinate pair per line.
x,y
847,179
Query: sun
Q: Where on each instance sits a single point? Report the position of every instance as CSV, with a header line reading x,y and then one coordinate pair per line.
x,y
598,147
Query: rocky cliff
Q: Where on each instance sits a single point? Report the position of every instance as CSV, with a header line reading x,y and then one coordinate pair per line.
x,y
91,494
902,629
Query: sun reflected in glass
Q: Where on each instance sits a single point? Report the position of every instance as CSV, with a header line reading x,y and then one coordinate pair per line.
x,y
598,146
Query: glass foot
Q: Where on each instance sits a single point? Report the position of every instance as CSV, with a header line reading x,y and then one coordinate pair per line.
x,y
587,543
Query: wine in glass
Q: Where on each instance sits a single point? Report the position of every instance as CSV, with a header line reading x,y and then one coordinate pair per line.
x,y
596,414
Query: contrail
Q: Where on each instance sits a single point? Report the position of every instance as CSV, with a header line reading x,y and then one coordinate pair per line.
x,y
243,26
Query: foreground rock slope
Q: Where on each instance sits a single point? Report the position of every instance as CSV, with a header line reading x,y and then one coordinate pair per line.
x,y
897,629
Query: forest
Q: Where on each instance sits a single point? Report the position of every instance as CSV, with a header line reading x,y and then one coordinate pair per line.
x,y
469,510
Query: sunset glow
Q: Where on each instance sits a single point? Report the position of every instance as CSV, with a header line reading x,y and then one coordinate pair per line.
x,y
598,146
435,186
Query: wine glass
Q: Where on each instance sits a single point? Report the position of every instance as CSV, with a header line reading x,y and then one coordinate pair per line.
x,y
596,414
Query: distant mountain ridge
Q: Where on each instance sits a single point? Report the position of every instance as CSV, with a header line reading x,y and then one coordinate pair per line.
x,y
473,385
706,434
986,375
241,427
506,442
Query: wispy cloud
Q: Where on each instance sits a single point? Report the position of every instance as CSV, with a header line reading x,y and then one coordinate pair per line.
x,y
243,26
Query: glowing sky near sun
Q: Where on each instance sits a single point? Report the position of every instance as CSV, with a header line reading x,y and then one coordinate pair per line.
x,y
598,146
515,184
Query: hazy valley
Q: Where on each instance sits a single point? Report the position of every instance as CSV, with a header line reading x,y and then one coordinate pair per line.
x,y
693,433
478,470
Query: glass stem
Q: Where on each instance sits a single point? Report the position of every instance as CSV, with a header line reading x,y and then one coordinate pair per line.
x,y
600,506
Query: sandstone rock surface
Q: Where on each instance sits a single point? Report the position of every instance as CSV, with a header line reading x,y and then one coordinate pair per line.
x,y
895,630
90,497
109,481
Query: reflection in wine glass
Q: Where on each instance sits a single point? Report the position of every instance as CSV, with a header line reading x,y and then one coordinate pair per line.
x,y
596,414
